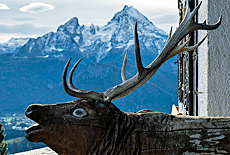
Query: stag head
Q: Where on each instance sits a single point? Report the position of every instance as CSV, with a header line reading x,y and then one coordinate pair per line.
x,y
85,125
73,127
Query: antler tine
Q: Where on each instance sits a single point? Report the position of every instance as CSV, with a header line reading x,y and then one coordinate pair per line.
x,y
181,48
198,26
178,49
64,83
204,26
196,9
76,92
123,69
188,11
191,48
139,65
170,35
70,78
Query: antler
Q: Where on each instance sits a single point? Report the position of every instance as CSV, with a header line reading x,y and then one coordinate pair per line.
x,y
170,49
72,90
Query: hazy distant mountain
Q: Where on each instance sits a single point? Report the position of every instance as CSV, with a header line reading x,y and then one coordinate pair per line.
x,y
33,73
12,45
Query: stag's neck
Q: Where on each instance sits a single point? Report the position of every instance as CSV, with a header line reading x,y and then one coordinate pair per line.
x,y
115,138
124,135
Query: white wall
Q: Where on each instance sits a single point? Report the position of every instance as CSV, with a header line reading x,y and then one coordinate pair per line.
x,y
214,60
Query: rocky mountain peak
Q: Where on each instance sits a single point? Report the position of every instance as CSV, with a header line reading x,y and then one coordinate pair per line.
x,y
70,27
92,29
128,15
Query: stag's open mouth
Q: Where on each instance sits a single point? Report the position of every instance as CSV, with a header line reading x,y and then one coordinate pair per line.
x,y
33,131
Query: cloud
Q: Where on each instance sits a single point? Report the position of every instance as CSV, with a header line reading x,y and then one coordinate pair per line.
x,y
3,7
23,19
36,7
24,29
165,19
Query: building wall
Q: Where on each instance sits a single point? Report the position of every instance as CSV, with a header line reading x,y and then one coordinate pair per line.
x,y
214,60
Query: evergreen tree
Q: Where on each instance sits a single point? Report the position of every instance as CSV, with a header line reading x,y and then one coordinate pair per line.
x,y
3,146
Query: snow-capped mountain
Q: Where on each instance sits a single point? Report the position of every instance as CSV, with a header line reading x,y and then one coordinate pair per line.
x,y
12,45
97,42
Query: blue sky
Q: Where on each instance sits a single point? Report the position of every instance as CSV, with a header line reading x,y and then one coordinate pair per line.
x,y
32,18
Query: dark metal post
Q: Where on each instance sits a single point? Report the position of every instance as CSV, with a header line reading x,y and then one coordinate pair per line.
x,y
187,69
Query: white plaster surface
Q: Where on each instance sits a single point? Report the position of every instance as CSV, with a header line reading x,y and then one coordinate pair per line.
x,y
214,60
45,151
202,65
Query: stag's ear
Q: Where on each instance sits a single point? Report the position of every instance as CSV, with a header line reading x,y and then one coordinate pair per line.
x,y
113,108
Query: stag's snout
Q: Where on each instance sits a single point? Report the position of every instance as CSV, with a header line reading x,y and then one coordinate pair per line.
x,y
33,107
37,112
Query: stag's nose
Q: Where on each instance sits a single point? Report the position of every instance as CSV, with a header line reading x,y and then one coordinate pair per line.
x,y
32,108
37,112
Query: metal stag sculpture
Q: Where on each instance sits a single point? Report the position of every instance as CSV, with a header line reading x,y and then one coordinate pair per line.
x,y
94,125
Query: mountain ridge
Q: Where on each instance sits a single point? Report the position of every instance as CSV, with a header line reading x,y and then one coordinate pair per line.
x,y
96,42
12,45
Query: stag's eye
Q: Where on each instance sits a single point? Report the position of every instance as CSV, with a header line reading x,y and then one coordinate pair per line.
x,y
79,112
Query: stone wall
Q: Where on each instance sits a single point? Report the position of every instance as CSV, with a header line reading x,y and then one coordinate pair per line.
x,y
214,60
